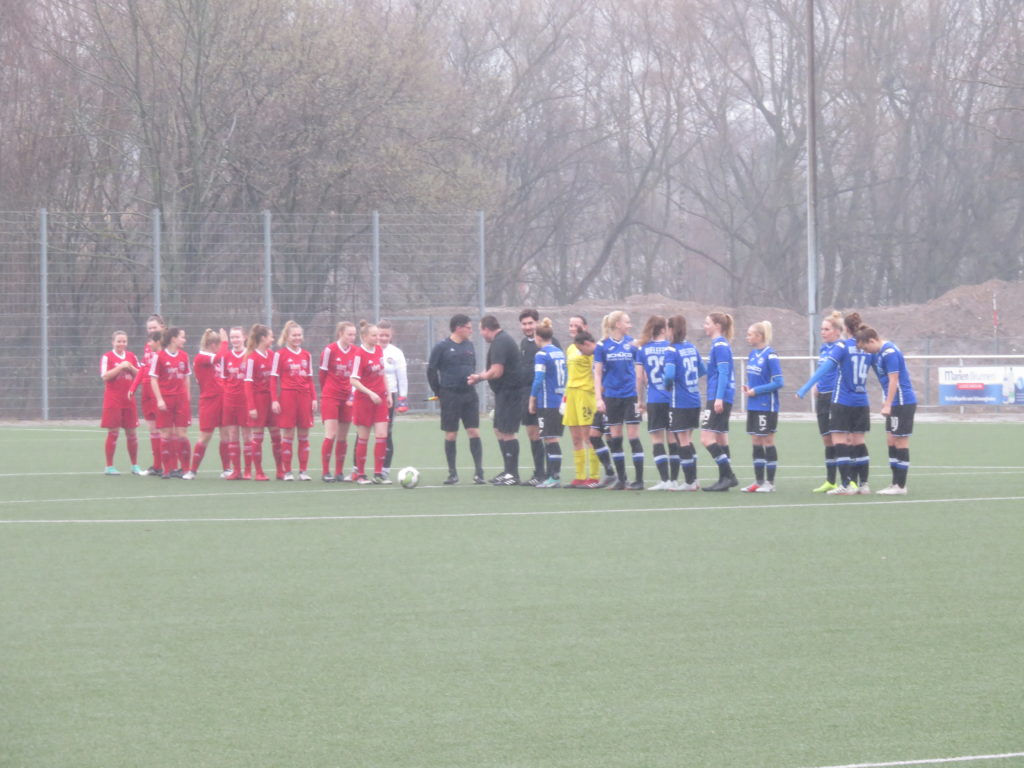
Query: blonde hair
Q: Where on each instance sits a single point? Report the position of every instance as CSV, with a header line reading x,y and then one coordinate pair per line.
x,y
545,329
209,338
282,340
835,319
364,329
341,327
256,334
613,319
606,326
724,321
764,329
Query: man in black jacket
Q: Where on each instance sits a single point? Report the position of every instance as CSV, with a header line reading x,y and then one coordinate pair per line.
x,y
504,375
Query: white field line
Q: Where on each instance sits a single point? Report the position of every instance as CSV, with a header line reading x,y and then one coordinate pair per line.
x,y
879,466
761,509
933,761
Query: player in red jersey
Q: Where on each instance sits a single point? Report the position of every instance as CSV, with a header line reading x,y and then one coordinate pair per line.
x,y
296,403
336,399
370,404
118,368
231,368
210,395
155,326
168,377
258,362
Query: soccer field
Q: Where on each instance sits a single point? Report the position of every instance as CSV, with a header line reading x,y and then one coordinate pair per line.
x,y
155,623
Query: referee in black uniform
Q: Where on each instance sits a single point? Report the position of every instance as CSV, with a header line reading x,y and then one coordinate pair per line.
x,y
503,374
452,361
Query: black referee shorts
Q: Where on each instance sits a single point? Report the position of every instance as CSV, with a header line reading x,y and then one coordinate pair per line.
x,y
459,405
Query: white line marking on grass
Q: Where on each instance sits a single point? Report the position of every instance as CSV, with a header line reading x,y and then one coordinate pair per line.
x,y
933,761
516,513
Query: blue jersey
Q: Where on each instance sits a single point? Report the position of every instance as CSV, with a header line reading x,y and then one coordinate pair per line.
x,y
827,383
889,359
549,376
653,356
764,375
721,376
852,382
618,358
689,367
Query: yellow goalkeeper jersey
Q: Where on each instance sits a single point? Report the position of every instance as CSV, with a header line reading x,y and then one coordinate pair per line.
x,y
580,368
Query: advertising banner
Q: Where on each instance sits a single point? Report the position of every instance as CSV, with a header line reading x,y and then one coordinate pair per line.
x,y
981,385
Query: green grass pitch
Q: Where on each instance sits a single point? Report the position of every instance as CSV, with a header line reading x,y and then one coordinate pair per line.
x,y
160,623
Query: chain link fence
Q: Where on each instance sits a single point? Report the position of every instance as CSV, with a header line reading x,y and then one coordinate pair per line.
x,y
70,280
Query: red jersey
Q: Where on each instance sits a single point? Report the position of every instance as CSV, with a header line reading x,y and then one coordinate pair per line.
x,y
369,369
336,371
294,369
172,372
231,369
142,377
205,366
257,376
115,390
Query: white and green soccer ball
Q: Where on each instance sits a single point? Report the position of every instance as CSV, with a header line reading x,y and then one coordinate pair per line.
x,y
408,477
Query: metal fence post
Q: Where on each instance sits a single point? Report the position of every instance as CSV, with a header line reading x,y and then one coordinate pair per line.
x,y
482,263
268,273
44,312
156,260
375,277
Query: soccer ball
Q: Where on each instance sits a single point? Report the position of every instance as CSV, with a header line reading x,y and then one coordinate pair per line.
x,y
408,477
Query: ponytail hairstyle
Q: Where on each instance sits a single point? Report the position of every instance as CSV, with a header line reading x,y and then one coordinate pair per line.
x,y
835,319
764,330
282,340
853,323
724,321
168,334
866,333
545,330
654,326
677,329
613,319
209,338
606,326
256,334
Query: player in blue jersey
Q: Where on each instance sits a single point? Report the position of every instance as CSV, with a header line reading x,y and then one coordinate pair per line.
x,y
546,399
616,392
714,423
898,408
764,380
654,354
850,414
831,334
684,369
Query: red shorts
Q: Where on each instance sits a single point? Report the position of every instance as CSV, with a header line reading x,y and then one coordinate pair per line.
x,y
265,416
210,413
235,412
178,413
336,408
366,413
296,409
120,416
149,408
